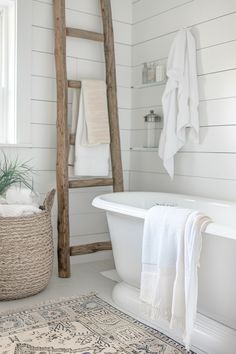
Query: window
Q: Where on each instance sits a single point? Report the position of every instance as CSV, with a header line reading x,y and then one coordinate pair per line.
x,y
15,71
8,72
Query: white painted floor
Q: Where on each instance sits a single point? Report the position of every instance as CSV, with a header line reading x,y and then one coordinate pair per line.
x,y
84,278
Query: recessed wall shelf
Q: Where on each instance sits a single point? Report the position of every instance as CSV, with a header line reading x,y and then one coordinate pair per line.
x,y
149,85
142,148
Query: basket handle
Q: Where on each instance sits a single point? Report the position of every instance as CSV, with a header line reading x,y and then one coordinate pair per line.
x,y
48,201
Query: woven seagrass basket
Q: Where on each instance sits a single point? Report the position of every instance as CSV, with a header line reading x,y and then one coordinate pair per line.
x,y
26,252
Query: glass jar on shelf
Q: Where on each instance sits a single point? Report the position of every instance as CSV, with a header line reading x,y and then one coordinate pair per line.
x,y
151,120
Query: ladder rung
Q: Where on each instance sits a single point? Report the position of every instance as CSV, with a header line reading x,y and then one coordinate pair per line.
x,y
92,182
78,33
90,248
74,84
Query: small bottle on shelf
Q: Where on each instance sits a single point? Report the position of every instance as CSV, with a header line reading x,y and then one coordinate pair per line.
x,y
145,74
154,71
151,73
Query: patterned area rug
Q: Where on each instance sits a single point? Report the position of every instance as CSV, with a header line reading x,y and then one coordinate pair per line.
x,y
84,325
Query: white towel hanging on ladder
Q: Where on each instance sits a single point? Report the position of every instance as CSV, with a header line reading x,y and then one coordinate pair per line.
x,y
90,159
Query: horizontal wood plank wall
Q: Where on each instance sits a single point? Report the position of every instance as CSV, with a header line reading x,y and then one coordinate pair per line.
x,y
207,169
85,60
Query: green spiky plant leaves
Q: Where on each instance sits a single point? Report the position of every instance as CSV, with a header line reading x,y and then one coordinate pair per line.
x,y
14,173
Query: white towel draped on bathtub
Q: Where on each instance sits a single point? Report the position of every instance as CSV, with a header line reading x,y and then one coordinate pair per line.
x,y
170,257
90,156
180,99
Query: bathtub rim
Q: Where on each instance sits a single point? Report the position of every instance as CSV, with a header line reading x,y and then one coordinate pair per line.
x,y
213,228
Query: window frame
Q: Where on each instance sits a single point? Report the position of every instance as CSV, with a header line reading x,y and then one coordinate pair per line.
x,y
22,75
8,71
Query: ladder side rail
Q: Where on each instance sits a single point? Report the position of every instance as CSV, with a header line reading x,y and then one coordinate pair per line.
x,y
109,52
62,141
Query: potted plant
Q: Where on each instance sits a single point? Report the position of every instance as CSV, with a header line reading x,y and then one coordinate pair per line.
x,y
14,173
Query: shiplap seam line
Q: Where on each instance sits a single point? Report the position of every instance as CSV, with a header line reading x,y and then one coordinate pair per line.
x,y
37,148
200,126
215,45
44,100
188,152
146,86
83,191
54,78
183,175
208,152
84,12
198,75
139,108
80,58
89,212
91,235
69,103
217,72
43,124
151,61
54,125
189,27
163,12
198,50
53,170
217,98
81,213
52,148
201,100
52,30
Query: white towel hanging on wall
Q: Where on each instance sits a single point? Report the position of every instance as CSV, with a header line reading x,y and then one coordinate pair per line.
x,y
180,99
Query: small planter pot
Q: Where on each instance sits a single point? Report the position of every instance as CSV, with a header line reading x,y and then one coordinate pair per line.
x,y
26,253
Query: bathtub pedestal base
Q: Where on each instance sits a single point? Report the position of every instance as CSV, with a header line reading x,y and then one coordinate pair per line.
x,y
209,336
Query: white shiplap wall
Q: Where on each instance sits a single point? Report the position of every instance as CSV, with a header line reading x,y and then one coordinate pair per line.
x,y
85,60
207,169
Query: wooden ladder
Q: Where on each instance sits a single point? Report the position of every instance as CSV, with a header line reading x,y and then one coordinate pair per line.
x,y
64,139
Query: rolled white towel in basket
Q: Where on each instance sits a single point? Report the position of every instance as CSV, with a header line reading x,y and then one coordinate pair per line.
x,y
19,202
13,210
18,195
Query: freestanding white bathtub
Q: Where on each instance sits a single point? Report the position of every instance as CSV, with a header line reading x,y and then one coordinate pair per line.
x,y
215,329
